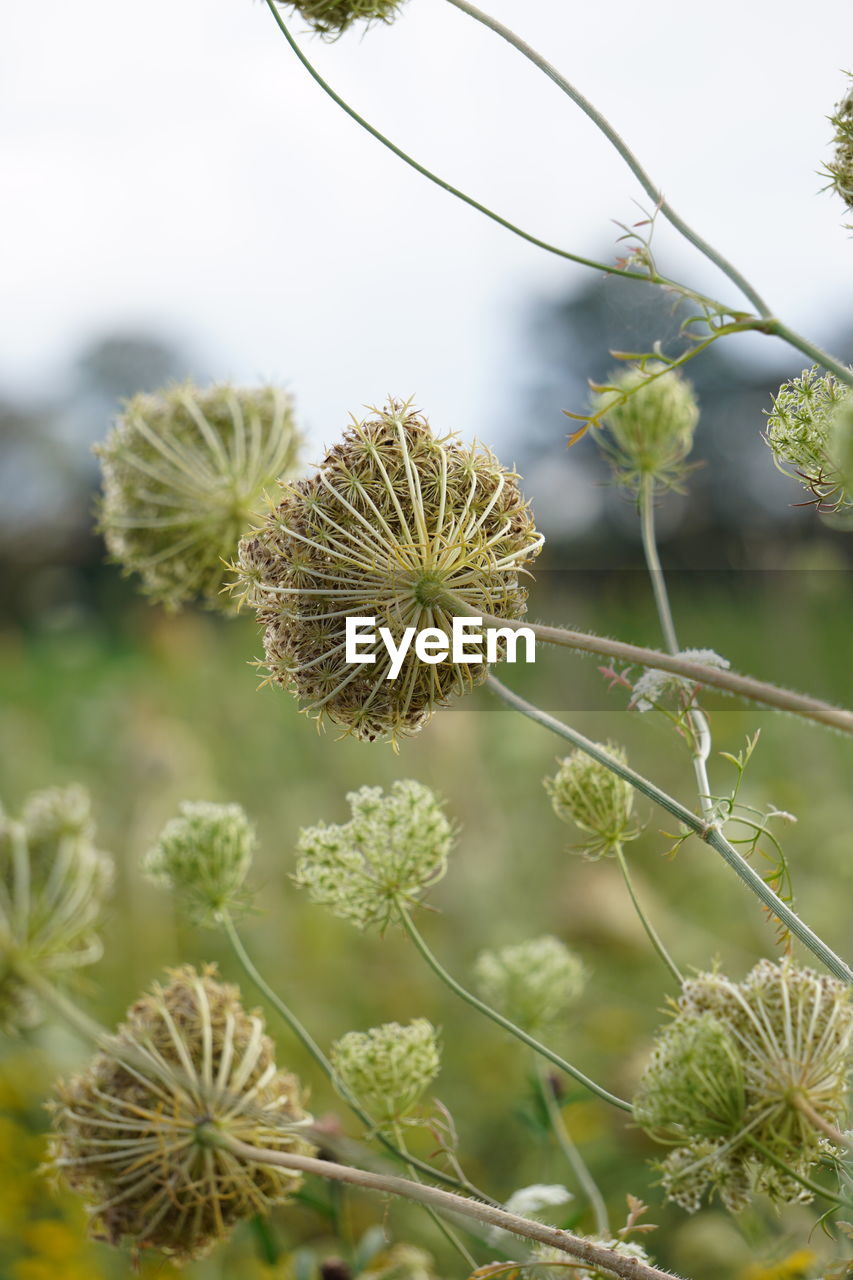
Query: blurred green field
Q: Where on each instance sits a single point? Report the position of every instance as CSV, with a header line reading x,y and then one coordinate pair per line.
x,y
164,708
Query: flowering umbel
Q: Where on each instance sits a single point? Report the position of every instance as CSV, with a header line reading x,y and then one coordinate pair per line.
x,y
185,471
649,416
53,887
392,850
204,855
533,983
746,1082
594,798
333,17
840,168
801,434
137,1133
395,519
388,1068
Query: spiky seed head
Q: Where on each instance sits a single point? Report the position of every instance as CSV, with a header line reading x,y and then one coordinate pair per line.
x,y
185,472
840,169
532,983
388,1068
54,883
204,855
395,518
595,799
745,1066
331,18
649,416
799,430
135,1133
394,847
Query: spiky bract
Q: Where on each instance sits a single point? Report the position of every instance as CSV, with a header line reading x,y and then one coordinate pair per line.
x,y
532,983
185,471
388,1068
331,18
204,855
737,1078
595,799
394,847
800,429
53,886
395,518
649,416
135,1132
840,168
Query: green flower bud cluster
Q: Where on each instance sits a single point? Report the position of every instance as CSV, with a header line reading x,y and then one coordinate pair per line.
x,y
54,884
532,983
744,1082
130,1131
649,417
332,17
395,518
387,1069
204,855
801,431
594,798
840,168
185,473
395,847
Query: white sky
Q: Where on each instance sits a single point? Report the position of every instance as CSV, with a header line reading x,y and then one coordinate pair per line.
x,y
169,164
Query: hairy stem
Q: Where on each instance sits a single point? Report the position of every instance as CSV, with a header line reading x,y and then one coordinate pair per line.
x,y
708,832
449,1234
651,932
575,1246
573,1156
302,1034
481,1007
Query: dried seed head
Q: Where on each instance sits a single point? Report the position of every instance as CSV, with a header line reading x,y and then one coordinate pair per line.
x,y
736,1081
649,417
799,429
532,983
395,518
840,168
332,17
184,476
204,855
595,799
133,1131
388,1068
53,887
392,850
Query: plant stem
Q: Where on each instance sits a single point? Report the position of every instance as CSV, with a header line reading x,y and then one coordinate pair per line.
x,y
653,936
301,1032
828,1130
87,1028
708,832
447,1231
770,695
814,1187
569,1150
469,997
576,1246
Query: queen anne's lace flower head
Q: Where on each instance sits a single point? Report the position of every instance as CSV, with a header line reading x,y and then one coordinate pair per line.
x,y
54,884
395,519
840,168
392,850
745,1080
132,1132
801,430
598,801
387,1069
648,416
332,17
204,855
532,983
185,473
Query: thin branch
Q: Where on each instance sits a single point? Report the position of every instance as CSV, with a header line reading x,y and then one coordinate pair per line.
x,y
566,1144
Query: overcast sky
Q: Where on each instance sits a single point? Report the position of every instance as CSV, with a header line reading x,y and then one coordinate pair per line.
x,y
169,165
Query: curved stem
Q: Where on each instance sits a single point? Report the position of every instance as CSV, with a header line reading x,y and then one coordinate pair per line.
x,y
814,1187
651,932
770,695
447,1231
575,1246
481,1007
708,832
828,1130
303,1034
570,1151
843,372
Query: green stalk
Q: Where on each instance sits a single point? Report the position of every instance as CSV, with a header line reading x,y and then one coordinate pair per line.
x,y
449,1234
814,1187
651,932
573,1156
481,1007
